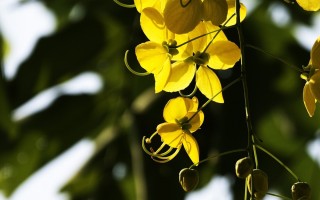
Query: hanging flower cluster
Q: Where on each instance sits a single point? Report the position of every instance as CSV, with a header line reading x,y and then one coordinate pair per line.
x,y
185,43
311,90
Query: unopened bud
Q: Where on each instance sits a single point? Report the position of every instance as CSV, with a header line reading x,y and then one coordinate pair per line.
x,y
258,179
301,191
244,167
188,179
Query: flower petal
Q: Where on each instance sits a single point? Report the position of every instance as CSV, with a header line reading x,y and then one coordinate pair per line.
x,y
309,5
181,76
200,43
196,121
175,109
191,146
211,28
171,134
232,11
223,55
209,84
161,78
141,4
151,56
192,104
215,11
152,24
182,18
315,54
314,83
309,100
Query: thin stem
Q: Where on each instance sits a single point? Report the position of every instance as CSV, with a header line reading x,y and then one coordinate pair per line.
x,y
209,100
124,5
278,195
218,155
279,161
217,33
200,36
296,68
244,82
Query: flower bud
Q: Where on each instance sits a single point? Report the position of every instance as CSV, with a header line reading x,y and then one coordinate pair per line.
x,y
244,167
259,180
301,191
188,179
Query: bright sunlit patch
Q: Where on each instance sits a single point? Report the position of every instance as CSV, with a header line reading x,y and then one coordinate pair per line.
x,y
22,24
306,35
313,149
279,14
46,182
88,82
219,188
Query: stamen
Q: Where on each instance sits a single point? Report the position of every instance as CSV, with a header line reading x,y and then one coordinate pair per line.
x,y
191,94
130,69
148,140
124,5
155,133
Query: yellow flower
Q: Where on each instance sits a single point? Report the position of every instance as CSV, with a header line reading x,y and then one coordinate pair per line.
x,y
309,5
311,90
182,16
155,55
207,52
182,119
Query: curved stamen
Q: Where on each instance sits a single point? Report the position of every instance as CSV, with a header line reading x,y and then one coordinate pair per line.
x,y
124,5
166,152
189,95
161,159
130,69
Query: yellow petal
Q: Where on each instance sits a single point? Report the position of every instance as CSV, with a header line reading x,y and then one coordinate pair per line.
x,y
209,84
161,78
181,76
215,11
315,53
175,109
191,104
191,146
182,18
315,85
213,29
196,121
141,4
152,24
171,134
232,11
309,5
200,43
309,100
151,56
223,54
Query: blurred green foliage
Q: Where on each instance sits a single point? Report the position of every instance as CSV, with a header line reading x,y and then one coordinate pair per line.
x,y
92,36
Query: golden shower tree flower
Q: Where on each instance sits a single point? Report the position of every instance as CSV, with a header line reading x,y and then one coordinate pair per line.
x,y
182,119
309,5
182,16
311,90
155,55
213,51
